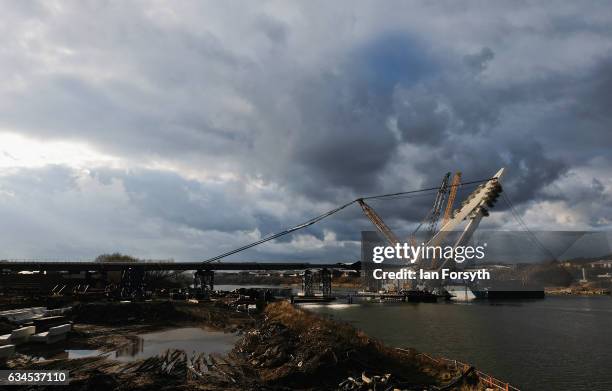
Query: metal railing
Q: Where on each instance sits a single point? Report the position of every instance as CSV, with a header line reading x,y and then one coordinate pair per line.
x,y
482,377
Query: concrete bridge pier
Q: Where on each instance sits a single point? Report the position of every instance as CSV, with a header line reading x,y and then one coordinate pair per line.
x,y
317,281
204,280
307,283
326,282
132,285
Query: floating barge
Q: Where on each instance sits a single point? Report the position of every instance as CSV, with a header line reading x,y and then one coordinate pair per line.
x,y
412,296
510,294
312,299
509,290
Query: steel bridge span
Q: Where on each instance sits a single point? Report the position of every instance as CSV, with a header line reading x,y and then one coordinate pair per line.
x,y
133,274
170,266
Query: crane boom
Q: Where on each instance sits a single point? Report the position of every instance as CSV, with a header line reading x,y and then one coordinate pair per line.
x,y
437,207
378,222
484,195
451,197
472,209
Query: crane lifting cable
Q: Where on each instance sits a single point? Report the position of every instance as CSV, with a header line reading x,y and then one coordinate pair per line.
x,y
321,217
524,226
432,218
401,193
279,234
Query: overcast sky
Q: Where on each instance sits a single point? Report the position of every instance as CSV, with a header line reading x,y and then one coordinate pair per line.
x,y
185,129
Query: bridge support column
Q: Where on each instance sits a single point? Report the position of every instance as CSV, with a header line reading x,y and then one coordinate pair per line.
x,y
132,283
326,282
307,283
204,280
319,281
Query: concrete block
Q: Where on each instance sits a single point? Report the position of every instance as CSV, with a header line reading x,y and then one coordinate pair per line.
x,y
54,334
7,351
63,329
22,334
40,337
5,339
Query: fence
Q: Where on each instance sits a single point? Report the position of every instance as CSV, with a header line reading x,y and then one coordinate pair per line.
x,y
486,379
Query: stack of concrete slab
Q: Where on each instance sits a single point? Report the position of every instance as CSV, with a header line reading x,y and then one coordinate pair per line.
x,y
57,311
55,334
18,336
23,315
38,310
46,322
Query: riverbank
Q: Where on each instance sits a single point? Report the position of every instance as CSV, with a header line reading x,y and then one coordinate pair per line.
x,y
281,348
547,344
576,291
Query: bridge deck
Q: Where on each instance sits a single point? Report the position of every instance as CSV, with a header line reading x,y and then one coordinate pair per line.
x,y
113,266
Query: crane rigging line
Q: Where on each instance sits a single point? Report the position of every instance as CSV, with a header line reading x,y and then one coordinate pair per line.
x,y
279,234
421,190
323,216
428,192
521,222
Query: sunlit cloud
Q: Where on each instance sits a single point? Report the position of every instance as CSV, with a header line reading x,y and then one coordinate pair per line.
x,y
22,152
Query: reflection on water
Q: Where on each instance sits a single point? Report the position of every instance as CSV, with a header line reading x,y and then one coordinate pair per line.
x,y
132,349
60,353
82,353
192,340
559,343
332,305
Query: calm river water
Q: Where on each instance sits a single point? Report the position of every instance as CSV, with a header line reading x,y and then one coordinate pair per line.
x,y
558,343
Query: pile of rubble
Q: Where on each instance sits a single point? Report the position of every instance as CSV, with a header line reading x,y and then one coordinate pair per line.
x,y
295,349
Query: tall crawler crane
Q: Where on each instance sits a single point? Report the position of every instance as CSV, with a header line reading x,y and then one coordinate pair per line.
x,y
431,220
472,209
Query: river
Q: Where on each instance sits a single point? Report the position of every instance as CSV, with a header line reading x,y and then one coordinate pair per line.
x,y
558,343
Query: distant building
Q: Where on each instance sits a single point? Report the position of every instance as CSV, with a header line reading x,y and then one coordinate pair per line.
x,y
349,273
602,264
499,267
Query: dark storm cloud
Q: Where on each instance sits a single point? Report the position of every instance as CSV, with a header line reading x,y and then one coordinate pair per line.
x,y
311,106
455,101
480,60
339,136
344,141
190,203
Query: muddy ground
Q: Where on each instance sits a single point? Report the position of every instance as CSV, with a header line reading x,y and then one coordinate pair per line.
x,y
282,348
